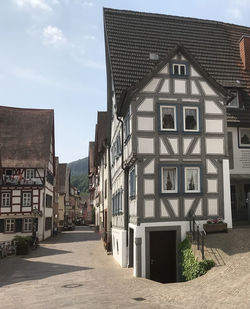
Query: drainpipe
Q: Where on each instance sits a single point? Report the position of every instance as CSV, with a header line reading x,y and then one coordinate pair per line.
x,y
125,169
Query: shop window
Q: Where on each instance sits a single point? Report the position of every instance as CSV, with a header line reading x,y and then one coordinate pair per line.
x,y
169,179
168,118
192,179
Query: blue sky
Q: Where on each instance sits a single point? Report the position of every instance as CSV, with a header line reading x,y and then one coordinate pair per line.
x,y
52,56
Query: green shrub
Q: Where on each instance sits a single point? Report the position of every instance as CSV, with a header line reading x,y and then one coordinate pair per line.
x,y
23,244
191,268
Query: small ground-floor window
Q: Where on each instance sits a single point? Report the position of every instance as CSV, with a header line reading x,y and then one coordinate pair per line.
x,y
10,225
27,224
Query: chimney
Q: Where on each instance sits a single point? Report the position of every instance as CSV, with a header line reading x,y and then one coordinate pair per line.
x,y
245,51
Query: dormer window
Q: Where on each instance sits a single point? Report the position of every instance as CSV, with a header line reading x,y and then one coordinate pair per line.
x,y
179,69
235,101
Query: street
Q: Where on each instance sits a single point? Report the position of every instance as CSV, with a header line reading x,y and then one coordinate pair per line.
x,y
73,271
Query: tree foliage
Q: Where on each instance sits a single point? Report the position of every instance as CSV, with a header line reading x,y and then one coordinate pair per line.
x,y
80,182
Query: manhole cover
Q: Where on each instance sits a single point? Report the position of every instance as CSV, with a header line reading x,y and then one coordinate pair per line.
x,y
72,285
139,298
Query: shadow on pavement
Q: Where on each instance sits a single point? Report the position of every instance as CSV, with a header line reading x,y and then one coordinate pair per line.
x,y
42,251
20,270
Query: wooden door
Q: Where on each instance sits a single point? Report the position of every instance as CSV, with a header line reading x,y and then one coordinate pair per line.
x,y
163,256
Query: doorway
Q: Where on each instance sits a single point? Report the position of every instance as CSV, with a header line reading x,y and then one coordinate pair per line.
x,y
163,256
131,248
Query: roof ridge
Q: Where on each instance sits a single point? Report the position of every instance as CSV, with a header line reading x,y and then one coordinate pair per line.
x,y
27,109
149,14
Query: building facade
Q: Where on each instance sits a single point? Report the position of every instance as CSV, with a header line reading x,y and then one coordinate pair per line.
x,y
27,172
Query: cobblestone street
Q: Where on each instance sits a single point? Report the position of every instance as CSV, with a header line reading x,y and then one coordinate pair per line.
x,y
72,270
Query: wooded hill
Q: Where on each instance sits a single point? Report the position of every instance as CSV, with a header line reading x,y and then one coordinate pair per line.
x,y
79,174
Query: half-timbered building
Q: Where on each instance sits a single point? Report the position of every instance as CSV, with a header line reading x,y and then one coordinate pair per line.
x,y
179,103
26,172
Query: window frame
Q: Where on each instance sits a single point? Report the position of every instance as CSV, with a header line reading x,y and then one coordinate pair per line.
x,y
176,190
179,64
197,108
30,172
236,94
132,186
2,193
240,145
23,193
31,223
166,105
11,224
199,168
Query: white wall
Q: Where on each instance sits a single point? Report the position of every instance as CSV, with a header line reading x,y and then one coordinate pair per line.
x,y
119,246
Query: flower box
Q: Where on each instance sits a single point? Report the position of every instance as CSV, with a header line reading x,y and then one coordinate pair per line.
x,y
215,228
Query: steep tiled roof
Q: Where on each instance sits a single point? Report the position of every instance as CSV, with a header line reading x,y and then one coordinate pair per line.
x,y
25,136
132,36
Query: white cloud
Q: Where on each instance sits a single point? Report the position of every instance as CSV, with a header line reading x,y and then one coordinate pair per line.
x,y
34,4
53,36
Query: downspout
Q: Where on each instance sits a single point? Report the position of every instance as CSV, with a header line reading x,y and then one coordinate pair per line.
x,y
125,169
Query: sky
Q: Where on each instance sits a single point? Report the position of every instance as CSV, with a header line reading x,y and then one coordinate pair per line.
x,y
52,56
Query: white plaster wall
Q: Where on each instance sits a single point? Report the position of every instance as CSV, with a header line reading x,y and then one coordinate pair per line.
x,y
149,208
149,186
179,86
145,145
241,155
212,186
212,108
227,193
145,123
207,89
147,105
119,236
152,85
214,125
212,205
215,145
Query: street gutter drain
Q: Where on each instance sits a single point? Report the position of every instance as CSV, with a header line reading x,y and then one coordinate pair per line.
x,y
139,299
72,285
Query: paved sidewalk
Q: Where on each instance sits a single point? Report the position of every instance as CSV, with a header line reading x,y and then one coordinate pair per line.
x,y
73,271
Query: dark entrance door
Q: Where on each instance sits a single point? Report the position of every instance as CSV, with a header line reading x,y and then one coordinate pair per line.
x,y
163,256
131,248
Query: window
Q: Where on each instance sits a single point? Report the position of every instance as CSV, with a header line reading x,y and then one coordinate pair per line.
x,y
48,223
244,137
168,118
27,224
26,199
191,119
169,179
5,199
50,178
127,126
30,173
179,69
48,201
10,225
132,184
192,179
235,101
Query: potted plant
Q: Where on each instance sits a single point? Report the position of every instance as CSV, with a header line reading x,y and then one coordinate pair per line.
x,y
216,225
